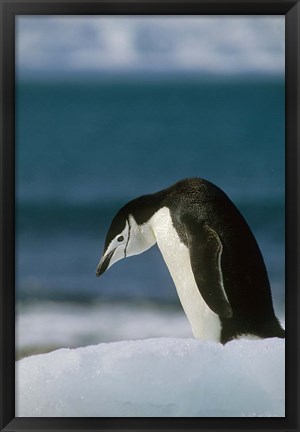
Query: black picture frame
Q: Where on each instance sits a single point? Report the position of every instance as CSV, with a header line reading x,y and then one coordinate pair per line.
x,y
9,10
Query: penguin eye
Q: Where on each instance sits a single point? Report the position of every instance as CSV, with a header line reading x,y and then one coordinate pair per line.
x,y
121,238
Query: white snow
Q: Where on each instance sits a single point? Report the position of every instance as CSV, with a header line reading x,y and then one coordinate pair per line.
x,y
155,377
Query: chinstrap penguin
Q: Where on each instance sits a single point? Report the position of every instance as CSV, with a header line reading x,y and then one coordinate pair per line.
x,y
211,253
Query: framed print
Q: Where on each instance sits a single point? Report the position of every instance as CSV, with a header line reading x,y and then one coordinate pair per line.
x,y
166,133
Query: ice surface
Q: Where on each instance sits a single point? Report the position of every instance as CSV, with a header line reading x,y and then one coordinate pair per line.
x,y
155,377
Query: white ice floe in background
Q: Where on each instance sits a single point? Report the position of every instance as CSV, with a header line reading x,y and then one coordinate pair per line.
x,y
44,325
205,44
155,377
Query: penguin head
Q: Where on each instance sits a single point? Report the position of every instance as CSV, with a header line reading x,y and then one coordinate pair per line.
x,y
126,237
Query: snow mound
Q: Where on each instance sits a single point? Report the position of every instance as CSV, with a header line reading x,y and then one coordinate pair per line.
x,y
155,377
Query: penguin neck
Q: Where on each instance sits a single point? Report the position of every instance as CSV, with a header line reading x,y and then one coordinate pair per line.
x,y
144,207
205,323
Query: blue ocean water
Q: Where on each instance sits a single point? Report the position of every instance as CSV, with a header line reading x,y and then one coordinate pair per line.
x,y
84,148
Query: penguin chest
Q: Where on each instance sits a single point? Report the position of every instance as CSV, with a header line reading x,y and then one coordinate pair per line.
x,y
204,322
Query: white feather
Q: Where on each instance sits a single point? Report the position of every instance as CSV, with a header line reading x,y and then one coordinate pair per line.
x,y
204,322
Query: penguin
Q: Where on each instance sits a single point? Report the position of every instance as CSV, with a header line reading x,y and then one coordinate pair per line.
x,y
211,253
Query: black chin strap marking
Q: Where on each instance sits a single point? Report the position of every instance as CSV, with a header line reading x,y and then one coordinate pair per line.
x,y
125,250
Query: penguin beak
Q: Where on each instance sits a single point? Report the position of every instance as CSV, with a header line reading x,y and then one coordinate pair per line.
x,y
104,263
